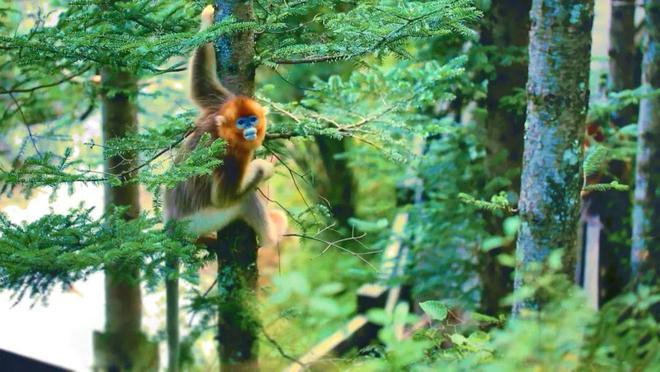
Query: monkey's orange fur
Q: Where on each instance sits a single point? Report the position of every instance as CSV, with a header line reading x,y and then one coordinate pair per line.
x,y
233,109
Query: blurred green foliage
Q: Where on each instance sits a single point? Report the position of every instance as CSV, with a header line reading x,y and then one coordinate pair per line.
x,y
379,74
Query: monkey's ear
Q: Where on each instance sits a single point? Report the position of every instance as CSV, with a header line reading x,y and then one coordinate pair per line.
x,y
266,110
220,119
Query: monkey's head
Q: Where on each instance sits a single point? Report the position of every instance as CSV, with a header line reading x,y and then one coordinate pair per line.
x,y
241,121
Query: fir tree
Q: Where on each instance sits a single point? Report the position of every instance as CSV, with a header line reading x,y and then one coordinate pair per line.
x,y
50,83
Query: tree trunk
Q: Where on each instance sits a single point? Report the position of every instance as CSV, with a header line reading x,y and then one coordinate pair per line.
x,y
507,25
557,101
622,53
238,321
645,255
122,346
338,188
236,248
172,315
612,207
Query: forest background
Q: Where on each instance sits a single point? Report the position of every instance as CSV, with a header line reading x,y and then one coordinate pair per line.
x,y
428,91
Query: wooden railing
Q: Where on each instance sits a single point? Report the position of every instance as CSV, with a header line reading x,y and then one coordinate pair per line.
x,y
385,293
359,331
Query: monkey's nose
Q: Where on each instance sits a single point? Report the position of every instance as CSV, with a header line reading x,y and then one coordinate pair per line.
x,y
250,134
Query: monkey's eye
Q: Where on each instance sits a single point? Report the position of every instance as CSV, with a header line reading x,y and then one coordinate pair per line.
x,y
242,123
246,121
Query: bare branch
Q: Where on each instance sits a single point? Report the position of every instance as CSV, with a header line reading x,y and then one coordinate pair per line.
x,y
334,244
49,85
27,125
279,348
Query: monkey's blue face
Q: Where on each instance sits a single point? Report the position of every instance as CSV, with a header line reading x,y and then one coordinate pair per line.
x,y
248,125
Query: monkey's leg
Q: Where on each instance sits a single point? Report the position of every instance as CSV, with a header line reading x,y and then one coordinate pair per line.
x,y
279,222
202,222
172,310
254,212
212,219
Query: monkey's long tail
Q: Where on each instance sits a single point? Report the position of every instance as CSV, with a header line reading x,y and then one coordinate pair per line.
x,y
207,17
203,222
172,314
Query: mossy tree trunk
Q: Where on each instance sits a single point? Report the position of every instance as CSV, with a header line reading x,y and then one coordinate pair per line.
x,y
122,345
646,211
236,248
557,101
238,319
506,26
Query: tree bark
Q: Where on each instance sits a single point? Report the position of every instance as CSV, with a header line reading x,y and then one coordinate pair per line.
x,y
238,320
338,188
622,53
507,25
122,346
172,315
236,247
612,207
557,101
235,53
645,255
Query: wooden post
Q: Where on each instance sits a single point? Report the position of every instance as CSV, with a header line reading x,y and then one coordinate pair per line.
x,y
358,331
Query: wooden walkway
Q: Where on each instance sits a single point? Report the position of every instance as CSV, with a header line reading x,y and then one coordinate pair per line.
x,y
385,293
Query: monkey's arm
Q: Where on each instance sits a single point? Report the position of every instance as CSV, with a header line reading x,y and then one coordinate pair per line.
x,y
205,89
212,219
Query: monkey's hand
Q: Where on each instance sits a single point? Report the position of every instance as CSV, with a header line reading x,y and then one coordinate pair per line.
x,y
265,167
258,170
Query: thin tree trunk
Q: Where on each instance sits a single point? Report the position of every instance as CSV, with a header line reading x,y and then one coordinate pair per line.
x,y
557,100
122,346
338,189
612,207
507,26
172,315
236,248
645,255
622,53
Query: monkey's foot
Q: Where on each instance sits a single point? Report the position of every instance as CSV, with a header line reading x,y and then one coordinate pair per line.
x,y
279,222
